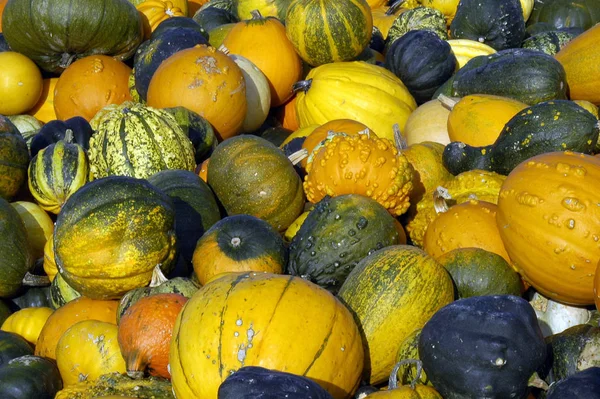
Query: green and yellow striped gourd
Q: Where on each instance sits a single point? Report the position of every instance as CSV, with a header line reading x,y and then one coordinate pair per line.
x,y
324,31
56,172
138,141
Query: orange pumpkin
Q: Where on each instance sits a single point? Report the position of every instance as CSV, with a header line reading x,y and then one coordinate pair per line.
x,y
89,84
286,115
205,81
2,4
67,315
194,6
44,109
203,170
153,12
549,220
145,332
264,42
471,224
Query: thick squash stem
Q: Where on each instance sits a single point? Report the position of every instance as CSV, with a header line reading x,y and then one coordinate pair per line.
x,y
157,276
298,156
66,59
393,382
440,197
68,136
399,139
223,49
32,280
447,102
394,7
303,85
536,382
135,374
256,15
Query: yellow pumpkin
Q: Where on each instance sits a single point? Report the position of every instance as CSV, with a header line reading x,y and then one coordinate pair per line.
x,y
294,227
153,12
28,323
478,119
49,262
87,350
21,84
412,391
245,319
466,49
549,221
354,90
429,122
38,224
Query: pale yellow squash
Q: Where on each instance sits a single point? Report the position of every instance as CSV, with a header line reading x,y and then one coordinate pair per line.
x,y
27,322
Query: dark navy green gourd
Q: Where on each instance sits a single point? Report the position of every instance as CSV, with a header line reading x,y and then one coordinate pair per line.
x,y
581,14
33,297
213,17
30,377
497,23
336,235
3,44
584,384
179,22
199,131
558,125
548,42
12,346
54,131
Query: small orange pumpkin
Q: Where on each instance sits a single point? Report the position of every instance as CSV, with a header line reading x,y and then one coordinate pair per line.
x,y
89,84
145,332
205,81
203,170
264,42
286,115
153,12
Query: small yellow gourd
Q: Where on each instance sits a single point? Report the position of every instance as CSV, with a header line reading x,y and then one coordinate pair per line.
x,y
27,322
412,391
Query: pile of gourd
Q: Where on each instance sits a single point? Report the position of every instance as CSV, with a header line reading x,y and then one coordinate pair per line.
x,y
321,199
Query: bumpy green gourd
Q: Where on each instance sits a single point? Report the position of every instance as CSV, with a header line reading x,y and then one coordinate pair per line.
x,y
420,18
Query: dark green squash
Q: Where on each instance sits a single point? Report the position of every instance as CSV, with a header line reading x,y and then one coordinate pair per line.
x,y
5,311
157,49
3,44
196,208
14,158
548,42
178,23
223,4
497,23
33,297
526,75
212,17
377,42
55,34
12,346
61,292
482,347
420,18
158,285
252,382
30,377
276,134
573,350
477,272
199,131
559,125
422,61
54,131
15,255
584,384
541,27
337,234
581,14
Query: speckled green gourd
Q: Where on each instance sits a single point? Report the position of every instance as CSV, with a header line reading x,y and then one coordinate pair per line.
x,y
14,158
573,350
61,292
420,18
558,125
138,141
548,42
336,235
118,385
409,349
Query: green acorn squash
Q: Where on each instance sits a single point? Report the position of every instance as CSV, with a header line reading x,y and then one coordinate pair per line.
x,y
419,18
213,17
178,23
61,292
266,184
584,384
391,293
111,233
477,272
582,14
559,125
14,158
548,42
422,61
199,131
482,347
12,346
56,130
33,297
15,255
196,208
497,23
55,34
526,75
337,234
138,141
5,311
30,377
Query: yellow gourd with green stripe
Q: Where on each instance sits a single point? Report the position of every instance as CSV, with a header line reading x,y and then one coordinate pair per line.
x,y
325,31
56,172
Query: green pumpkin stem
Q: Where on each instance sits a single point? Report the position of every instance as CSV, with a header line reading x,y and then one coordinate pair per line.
x,y
393,382
303,85
447,102
31,280
66,59
394,7
158,277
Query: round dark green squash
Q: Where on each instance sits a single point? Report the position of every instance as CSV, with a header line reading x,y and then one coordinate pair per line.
x,y
54,34
178,23
482,346
475,271
3,44
419,18
15,255
196,208
550,42
5,311
32,297
56,130
30,377
210,18
252,382
14,159
61,292
266,184
582,14
12,346
337,234
377,42
276,135
199,131
159,285
422,61
497,23
583,384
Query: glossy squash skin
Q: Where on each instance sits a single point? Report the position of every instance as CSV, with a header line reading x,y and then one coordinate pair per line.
x,y
246,322
125,226
15,255
548,221
53,35
30,377
393,292
12,345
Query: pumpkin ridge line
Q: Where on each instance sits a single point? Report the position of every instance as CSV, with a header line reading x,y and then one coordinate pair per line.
x,y
325,342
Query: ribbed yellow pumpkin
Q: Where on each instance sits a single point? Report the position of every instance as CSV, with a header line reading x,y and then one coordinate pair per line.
x,y
249,319
354,90
27,322
393,292
325,31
